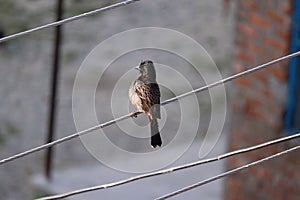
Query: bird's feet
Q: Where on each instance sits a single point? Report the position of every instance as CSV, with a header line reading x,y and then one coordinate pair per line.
x,y
136,114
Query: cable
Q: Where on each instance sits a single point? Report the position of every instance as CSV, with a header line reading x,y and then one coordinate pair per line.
x,y
170,170
230,78
67,138
67,20
233,171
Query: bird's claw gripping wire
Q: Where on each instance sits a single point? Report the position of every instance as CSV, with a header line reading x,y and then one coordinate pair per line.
x,y
134,115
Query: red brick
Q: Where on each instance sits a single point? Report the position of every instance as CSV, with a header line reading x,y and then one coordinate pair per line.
x,y
244,81
252,108
281,74
267,93
259,21
241,139
275,110
262,35
258,109
286,6
246,29
243,56
234,185
281,46
231,187
243,14
252,5
284,35
262,173
285,185
276,17
262,76
255,102
256,48
236,105
240,42
284,63
269,1
237,67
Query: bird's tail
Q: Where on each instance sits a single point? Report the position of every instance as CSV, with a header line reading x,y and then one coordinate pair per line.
x,y
155,135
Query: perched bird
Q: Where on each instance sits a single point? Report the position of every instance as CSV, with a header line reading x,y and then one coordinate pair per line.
x,y
144,94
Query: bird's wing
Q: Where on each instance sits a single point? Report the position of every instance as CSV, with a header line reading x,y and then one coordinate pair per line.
x,y
155,99
150,97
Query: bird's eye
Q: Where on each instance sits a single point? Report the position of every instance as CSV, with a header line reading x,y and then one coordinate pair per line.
x,y
143,62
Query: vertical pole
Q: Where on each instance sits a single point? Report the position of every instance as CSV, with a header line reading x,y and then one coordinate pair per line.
x,y
293,69
53,89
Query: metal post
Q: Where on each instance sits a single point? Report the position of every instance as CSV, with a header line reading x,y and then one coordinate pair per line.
x,y
293,69
53,90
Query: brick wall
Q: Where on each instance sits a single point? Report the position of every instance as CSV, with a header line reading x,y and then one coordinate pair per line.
x,y
258,102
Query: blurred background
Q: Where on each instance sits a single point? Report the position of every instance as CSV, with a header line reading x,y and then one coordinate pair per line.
x,y
26,82
236,34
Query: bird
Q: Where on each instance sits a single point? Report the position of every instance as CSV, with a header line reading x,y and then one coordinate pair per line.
x,y
144,94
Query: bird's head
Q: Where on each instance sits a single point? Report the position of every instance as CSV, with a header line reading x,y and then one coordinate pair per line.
x,y
146,69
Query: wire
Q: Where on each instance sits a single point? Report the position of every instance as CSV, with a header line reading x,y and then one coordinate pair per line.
x,y
77,134
238,75
233,171
173,169
67,20
67,138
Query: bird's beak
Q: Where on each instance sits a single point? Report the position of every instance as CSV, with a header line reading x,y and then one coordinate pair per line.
x,y
137,68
